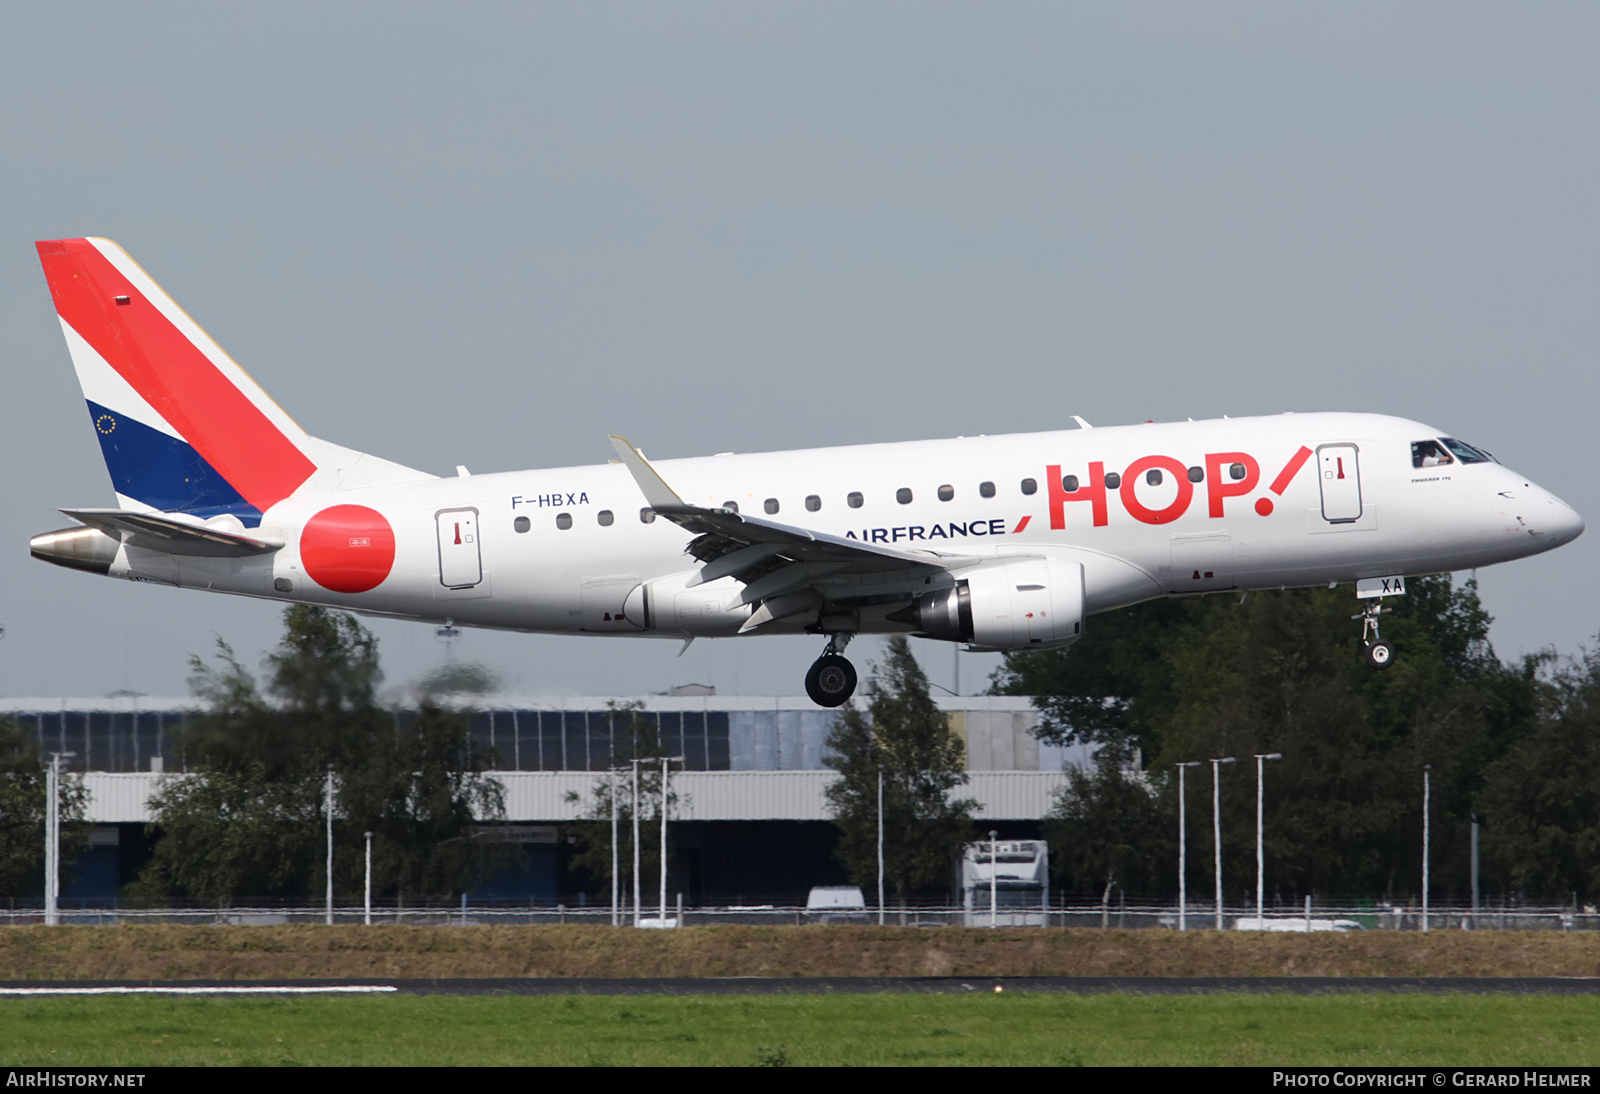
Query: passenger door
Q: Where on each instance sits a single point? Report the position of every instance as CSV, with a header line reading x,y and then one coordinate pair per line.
x,y
1340,477
460,563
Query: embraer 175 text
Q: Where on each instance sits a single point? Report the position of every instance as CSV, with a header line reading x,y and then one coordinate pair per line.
x,y
1002,543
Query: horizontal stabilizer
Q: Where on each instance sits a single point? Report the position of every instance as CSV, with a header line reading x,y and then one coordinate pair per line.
x,y
172,534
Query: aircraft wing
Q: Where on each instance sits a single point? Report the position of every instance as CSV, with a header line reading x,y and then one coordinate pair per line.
x,y
784,569
160,532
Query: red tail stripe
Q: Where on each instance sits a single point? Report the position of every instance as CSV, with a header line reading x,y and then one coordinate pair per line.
x,y
172,375
1290,469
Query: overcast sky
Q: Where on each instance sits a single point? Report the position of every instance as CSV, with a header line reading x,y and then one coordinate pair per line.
x,y
490,234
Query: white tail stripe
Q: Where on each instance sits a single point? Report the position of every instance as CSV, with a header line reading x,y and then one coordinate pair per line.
x,y
104,385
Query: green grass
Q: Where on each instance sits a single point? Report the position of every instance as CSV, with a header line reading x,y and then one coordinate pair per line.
x,y
800,1030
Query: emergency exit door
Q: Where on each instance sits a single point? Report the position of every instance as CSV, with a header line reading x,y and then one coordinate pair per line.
x,y
460,564
1340,476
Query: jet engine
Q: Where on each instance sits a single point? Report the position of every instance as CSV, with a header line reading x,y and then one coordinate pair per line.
x,y
1026,603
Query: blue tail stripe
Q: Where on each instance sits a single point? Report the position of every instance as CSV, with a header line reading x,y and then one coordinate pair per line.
x,y
159,470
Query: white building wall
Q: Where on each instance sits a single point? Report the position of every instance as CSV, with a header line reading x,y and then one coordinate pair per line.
x,y
541,796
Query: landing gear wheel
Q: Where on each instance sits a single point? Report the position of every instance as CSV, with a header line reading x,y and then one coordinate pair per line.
x,y
1380,654
831,680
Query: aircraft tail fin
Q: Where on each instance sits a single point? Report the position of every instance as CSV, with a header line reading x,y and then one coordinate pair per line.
x,y
181,426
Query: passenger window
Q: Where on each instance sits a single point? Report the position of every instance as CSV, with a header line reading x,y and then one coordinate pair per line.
x,y
770,505
606,517
986,489
1196,474
731,506
522,524
813,503
1113,481
1429,454
1029,486
563,521
946,492
854,499
647,515
1069,483
1153,477
903,495
1236,471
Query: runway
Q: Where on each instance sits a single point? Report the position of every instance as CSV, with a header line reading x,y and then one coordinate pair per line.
x,y
833,985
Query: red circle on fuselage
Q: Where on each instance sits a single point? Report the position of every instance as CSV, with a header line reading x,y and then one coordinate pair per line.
x,y
348,548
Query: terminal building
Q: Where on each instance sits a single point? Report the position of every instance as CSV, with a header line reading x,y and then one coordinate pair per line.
x,y
752,824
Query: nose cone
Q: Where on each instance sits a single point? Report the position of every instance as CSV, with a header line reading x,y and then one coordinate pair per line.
x,y
1562,522
1531,520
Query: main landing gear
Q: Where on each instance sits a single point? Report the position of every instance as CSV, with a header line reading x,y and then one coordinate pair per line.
x,y
831,680
1379,654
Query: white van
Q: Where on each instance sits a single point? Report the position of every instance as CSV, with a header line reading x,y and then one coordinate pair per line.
x,y
1295,923
837,904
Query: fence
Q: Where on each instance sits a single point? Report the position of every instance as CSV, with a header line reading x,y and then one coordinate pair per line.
x,y
1328,917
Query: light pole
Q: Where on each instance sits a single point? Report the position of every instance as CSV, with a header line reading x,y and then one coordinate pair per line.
x,y
367,914
1427,770
880,845
665,760
994,872
1474,871
328,809
1216,824
636,842
616,911
1183,851
52,839
1261,862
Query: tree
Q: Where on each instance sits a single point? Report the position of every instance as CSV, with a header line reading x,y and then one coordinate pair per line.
x,y
460,677
22,814
1541,800
227,831
633,737
1112,688
248,819
1108,829
1205,677
421,788
906,734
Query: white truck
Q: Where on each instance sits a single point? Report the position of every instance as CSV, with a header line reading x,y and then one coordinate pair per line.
x,y
1006,883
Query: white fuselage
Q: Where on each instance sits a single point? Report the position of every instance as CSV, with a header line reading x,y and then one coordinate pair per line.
x,y
1356,507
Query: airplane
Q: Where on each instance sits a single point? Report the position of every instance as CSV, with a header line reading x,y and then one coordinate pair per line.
x,y
1001,543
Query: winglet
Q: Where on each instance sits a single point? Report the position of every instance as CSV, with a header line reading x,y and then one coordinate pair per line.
x,y
651,485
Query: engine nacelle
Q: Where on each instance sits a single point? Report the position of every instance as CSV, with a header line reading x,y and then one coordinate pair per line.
x,y
1027,603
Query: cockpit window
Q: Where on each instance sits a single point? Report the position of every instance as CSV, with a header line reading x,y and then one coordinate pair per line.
x,y
1465,452
1429,454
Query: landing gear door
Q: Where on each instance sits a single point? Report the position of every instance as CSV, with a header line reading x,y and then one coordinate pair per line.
x,y
1340,476
460,564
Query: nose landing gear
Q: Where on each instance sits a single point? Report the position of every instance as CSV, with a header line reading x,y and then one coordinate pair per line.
x,y
1379,654
831,680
